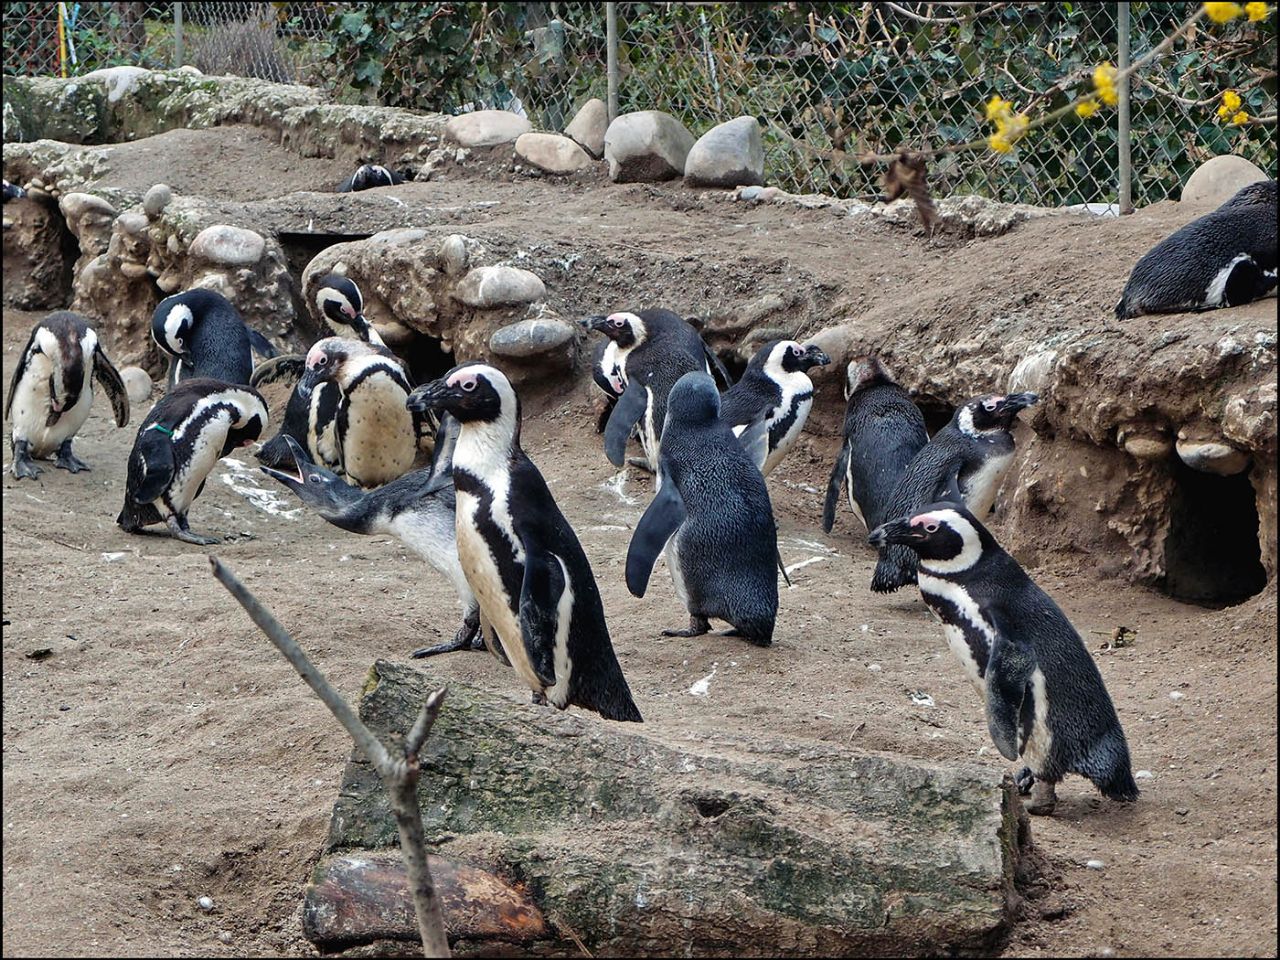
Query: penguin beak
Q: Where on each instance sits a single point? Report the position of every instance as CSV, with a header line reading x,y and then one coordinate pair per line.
x,y
429,396
813,357
595,323
1018,401
299,458
895,531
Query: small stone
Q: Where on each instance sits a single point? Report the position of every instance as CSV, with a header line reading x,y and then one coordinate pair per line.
x,y
749,193
727,155
76,206
647,145
224,936
486,128
499,286
461,155
173,244
231,246
453,255
772,193
552,152
1147,446
137,384
1094,864
1144,775
529,338
156,199
205,903
1216,180
588,127
1176,694
1182,811
1212,456
131,223
132,270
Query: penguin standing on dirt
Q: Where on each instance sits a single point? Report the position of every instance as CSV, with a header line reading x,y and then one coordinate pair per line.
x,y
537,594
775,386
655,349
368,176
1223,259
51,392
607,373
417,509
1046,701
883,430
205,336
964,461
712,516
192,426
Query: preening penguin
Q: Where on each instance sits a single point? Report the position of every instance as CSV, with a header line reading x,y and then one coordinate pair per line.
x,y
205,336
1046,701
965,460
537,593
883,430
368,176
607,373
712,516
1223,259
178,444
775,386
339,304
51,392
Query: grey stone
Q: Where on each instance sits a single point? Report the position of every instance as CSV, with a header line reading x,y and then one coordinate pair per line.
x,y
588,127
228,245
137,384
1216,180
552,152
132,223
728,155
499,286
644,146
486,128
529,338
156,199
1212,456
454,255
76,206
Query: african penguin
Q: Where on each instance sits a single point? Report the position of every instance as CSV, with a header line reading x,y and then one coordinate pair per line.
x,y
712,516
188,430
1223,259
883,430
656,348
775,385
13,192
368,176
1046,701
339,304
965,460
538,597
205,336
417,509
52,391
606,371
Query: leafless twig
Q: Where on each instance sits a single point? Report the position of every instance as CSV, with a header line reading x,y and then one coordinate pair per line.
x,y
399,775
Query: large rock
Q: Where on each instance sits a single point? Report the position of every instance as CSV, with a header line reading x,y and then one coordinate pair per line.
x,y
588,127
37,271
499,286
530,338
1216,180
486,128
228,246
726,846
552,153
648,145
730,154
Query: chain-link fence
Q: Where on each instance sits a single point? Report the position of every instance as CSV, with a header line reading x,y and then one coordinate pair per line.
x,y
826,80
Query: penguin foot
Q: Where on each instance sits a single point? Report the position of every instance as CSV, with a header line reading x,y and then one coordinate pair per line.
x,y
24,468
697,627
467,638
1043,799
1024,779
640,463
540,699
68,460
180,531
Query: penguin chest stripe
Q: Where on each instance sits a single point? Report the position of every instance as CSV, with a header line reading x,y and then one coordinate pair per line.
x,y
969,635
981,486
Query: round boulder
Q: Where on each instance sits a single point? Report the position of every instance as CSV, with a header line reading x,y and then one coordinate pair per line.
x,y
730,154
588,126
1216,180
646,146
551,153
499,286
156,199
486,128
528,338
1212,456
227,245
137,384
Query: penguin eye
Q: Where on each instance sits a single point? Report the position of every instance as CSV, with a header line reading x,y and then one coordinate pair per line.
x,y
618,322
930,528
989,405
322,360
313,478
468,385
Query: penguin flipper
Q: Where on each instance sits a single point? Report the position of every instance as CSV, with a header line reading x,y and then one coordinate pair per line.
x,y
1008,673
287,366
105,372
717,368
260,344
662,519
544,584
834,484
626,414
755,440
153,457
18,371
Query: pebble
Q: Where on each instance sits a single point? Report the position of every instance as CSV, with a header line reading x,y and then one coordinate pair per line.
x,y
1144,775
205,903
224,936
1182,811
1176,694
156,199
1094,864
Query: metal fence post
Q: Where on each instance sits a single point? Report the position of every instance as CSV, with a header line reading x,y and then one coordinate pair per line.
x,y
611,43
1124,198
177,34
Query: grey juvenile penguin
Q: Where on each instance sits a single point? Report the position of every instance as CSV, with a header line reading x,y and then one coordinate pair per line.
x,y
205,336
965,460
51,392
883,430
712,515
1223,259
1046,701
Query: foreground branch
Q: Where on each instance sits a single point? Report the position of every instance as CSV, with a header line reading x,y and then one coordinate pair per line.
x,y
399,776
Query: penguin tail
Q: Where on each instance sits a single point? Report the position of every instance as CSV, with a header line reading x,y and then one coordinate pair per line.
x,y
1120,786
1111,770
621,708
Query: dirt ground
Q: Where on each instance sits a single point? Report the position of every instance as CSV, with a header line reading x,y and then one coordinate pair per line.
x,y
157,749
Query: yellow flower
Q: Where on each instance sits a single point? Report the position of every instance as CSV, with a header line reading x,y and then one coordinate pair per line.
x,y
1240,118
997,108
999,144
1256,11
1231,100
1086,108
1104,81
1222,12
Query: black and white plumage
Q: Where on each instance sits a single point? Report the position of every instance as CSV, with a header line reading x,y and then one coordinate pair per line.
x,y
1223,259
965,461
189,429
1045,698
883,430
51,392
417,509
339,304
204,336
13,192
538,596
370,175
712,516
655,348
775,386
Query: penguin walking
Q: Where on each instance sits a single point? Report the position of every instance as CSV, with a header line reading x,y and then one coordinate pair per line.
x,y
417,509
51,392
712,516
205,336
1223,259
189,429
775,386
656,348
538,597
883,430
370,175
964,461
1045,698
